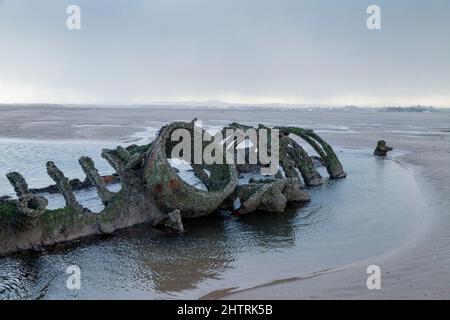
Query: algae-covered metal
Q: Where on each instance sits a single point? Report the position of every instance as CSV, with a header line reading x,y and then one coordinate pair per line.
x,y
153,192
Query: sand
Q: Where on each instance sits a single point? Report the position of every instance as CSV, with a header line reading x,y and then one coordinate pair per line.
x,y
417,269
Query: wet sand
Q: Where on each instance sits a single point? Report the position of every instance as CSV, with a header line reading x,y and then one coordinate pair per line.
x,y
418,269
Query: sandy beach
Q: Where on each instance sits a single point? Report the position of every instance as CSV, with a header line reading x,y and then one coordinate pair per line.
x,y
417,269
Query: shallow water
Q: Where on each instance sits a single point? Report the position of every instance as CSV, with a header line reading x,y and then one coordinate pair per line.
x,y
368,213
29,157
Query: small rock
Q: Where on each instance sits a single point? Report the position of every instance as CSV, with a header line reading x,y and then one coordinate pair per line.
x,y
382,149
174,221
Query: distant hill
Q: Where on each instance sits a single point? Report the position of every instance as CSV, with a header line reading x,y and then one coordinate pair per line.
x,y
409,109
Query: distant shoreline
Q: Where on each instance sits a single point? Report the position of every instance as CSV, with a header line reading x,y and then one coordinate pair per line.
x,y
236,106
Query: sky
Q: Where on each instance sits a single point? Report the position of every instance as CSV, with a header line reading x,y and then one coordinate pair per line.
x,y
311,52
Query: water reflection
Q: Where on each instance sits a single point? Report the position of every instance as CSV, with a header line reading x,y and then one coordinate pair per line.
x,y
363,215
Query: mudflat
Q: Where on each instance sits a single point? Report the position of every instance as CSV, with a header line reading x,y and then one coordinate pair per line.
x,y
418,269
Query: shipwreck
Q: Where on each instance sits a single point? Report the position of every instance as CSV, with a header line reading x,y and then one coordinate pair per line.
x,y
153,192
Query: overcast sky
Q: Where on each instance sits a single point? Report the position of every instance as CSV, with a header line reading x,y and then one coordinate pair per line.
x,y
248,51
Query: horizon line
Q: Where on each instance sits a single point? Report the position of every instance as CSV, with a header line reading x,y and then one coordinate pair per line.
x,y
219,104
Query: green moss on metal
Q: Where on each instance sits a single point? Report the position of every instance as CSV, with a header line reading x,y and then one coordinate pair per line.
x,y
7,211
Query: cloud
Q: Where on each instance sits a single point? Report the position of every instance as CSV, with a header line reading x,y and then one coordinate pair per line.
x,y
252,51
